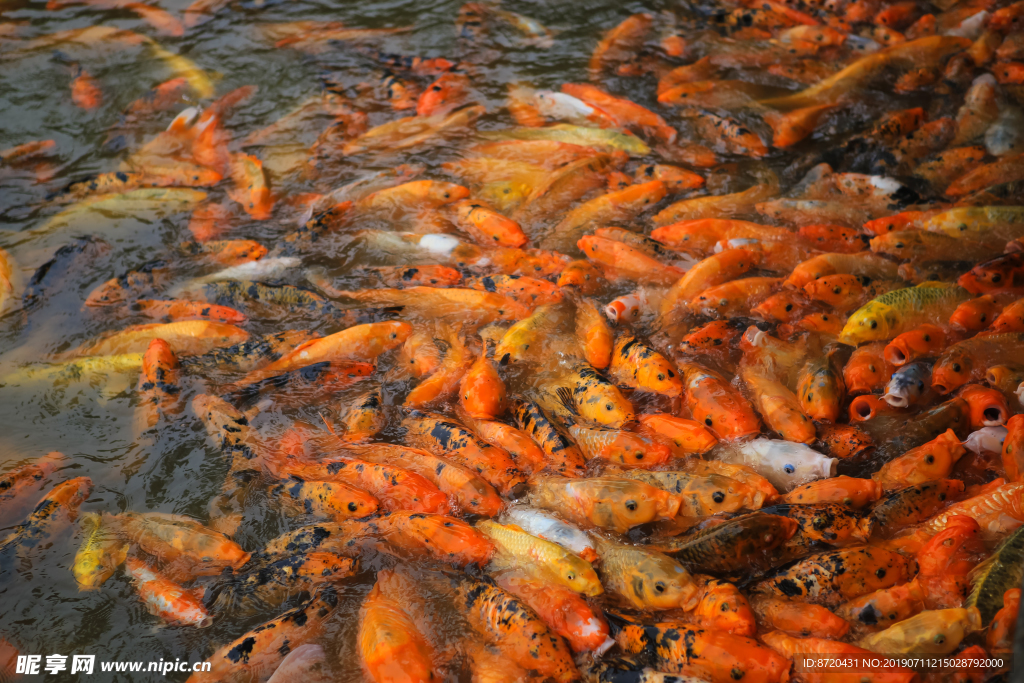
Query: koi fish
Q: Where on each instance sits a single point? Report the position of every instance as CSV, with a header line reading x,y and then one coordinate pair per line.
x,y
609,503
259,651
390,646
166,599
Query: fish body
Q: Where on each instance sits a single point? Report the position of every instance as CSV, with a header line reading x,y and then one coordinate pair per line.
x,y
565,612
551,528
20,486
737,545
830,577
712,655
688,436
174,537
166,599
514,629
993,578
716,403
259,651
391,648
913,504
931,631
561,455
452,441
536,554
966,361
901,310
54,512
462,485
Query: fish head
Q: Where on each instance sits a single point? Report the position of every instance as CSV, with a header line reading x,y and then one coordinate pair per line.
x,y
988,406
989,439
441,193
993,274
395,332
907,384
933,460
577,574
622,504
784,306
582,274
723,607
952,371
631,449
659,582
657,374
872,322
623,309
953,551
834,290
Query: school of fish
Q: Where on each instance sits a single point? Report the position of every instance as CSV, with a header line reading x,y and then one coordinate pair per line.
x,y
706,358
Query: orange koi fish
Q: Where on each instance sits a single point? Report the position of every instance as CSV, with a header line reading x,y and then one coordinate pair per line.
x,y
362,342
932,460
623,112
20,487
166,599
252,187
449,91
798,618
487,226
620,43
688,436
716,403
391,649
604,502
175,310
629,262
189,337
709,272
464,487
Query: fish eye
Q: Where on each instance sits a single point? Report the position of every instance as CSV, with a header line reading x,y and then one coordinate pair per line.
x,y
789,307
837,290
956,367
659,587
997,277
631,505
899,245
571,576
352,507
927,337
874,324
707,421
929,459
661,376
609,406
789,469
725,607
880,573
718,496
